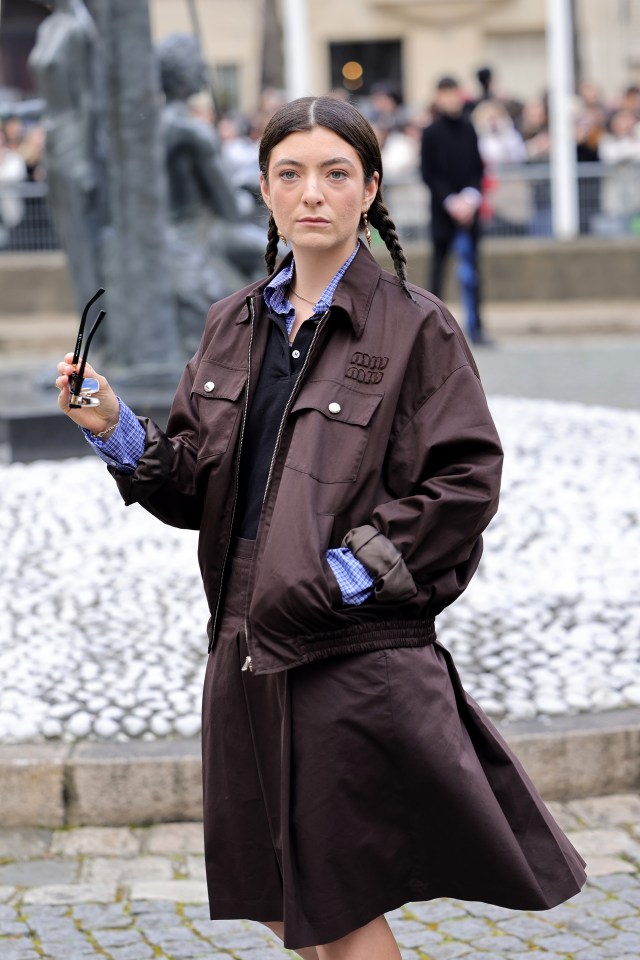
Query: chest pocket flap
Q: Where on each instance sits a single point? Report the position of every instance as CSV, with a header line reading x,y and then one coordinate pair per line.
x,y
218,390
213,380
331,430
337,402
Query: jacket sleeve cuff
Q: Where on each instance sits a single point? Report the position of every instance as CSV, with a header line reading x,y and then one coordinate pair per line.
x,y
393,582
153,467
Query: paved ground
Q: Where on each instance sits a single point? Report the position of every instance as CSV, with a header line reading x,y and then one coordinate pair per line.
x,y
588,369
139,894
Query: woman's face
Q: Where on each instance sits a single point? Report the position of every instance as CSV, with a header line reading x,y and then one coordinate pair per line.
x,y
317,192
623,123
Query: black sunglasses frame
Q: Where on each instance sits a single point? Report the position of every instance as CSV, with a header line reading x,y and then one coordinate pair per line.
x,y
76,398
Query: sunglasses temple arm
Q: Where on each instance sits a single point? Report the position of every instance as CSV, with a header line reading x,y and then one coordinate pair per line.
x,y
83,322
99,320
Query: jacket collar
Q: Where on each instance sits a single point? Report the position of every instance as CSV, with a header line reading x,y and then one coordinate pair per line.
x,y
353,295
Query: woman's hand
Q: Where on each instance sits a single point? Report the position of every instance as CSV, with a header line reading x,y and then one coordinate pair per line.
x,y
96,419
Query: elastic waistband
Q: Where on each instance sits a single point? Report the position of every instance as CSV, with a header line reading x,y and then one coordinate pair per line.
x,y
242,549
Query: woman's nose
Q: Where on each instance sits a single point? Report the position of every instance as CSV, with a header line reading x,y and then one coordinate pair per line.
x,y
312,192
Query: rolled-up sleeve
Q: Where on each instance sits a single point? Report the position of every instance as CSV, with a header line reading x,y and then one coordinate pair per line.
x,y
124,447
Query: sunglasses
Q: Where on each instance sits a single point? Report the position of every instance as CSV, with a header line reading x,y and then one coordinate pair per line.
x,y
82,390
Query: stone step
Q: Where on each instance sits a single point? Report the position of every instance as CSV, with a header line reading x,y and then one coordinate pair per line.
x,y
37,335
34,283
524,269
115,784
555,318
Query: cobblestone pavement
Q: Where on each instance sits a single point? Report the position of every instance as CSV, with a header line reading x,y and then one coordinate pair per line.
x,y
139,894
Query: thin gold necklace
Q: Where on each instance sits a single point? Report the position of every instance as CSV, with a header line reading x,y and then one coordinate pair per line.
x,y
296,294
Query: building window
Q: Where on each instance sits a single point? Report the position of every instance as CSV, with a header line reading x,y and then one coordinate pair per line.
x,y
357,66
226,84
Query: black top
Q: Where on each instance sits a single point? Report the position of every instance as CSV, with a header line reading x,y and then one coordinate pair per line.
x,y
278,374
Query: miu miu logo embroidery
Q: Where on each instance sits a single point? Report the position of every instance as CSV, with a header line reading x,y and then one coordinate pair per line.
x,y
366,369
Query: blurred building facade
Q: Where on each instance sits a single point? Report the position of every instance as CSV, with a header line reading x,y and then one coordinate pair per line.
x,y
410,43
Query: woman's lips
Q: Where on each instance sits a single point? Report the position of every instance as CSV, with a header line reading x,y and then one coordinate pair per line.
x,y
314,221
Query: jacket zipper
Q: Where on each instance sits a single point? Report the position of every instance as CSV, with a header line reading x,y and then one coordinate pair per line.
x,y
248,664
235,495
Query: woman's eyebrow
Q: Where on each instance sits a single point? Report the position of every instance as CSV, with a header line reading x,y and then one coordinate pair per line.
x,y
343,161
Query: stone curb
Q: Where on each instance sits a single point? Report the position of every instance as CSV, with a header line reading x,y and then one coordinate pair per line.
x,y
103,784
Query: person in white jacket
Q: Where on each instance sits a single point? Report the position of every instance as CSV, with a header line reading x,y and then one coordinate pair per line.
x,y
498,140
13,170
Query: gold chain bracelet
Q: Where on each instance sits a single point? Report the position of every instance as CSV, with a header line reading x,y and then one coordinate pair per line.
x,y
108,430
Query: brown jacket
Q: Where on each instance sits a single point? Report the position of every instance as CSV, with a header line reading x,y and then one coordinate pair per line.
x,y
386,445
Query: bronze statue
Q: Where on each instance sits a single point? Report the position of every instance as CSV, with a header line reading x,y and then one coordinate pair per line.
x,y
214,249
62,62
138,190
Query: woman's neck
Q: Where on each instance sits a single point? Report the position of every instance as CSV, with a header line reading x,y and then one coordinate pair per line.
x,y
315,269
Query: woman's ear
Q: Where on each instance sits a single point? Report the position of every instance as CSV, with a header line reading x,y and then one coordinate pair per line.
x,y
371,188
264,189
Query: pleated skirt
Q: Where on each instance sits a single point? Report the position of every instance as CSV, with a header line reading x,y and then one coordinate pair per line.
x,y
343,789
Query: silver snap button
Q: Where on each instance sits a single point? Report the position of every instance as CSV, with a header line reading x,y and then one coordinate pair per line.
x,y
295,354
334,407
209,385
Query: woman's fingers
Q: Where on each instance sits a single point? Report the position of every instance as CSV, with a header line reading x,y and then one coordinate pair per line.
x,y
94,418
66,366
65,369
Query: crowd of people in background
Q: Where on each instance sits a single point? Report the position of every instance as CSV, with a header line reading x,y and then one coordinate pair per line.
x,y
511,133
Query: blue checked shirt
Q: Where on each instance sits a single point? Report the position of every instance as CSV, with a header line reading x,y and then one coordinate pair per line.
x,y
125,446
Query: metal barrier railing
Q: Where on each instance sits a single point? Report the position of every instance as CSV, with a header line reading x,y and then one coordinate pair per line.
x,y
517,203
25,221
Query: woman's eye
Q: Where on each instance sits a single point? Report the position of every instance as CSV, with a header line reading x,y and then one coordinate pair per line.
x,y
337,175
288,174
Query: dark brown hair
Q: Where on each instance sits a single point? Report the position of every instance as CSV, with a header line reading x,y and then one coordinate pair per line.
x,y
342,118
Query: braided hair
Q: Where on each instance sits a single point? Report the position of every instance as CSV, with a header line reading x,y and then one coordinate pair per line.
x,y
271,253
342,118
379,218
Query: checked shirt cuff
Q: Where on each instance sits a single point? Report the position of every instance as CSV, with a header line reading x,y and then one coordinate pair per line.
x,y
355,582
125,446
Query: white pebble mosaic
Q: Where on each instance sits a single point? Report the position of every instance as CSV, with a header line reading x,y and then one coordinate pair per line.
x,y
102,634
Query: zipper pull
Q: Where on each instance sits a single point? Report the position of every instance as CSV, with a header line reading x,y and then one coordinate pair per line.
x,y
247,665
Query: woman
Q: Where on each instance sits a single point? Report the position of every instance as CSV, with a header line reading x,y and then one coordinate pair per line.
x,y
331,442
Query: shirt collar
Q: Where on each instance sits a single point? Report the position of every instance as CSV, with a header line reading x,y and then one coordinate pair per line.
x,y
354,294
275,294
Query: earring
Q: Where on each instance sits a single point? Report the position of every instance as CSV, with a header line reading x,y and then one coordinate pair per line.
x,y
367,231
282,238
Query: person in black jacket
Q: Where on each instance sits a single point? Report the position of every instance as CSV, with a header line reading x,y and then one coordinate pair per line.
x,y
452,168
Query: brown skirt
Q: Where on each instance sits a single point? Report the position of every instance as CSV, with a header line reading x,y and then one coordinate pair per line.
x,y
340,790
